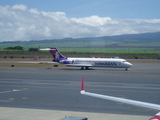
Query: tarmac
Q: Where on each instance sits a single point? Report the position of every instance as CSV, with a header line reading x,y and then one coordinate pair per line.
x,y
53,93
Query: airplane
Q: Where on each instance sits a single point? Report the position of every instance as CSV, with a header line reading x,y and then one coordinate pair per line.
x,y
85,63
123,100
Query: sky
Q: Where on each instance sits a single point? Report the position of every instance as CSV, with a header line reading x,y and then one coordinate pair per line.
x,y
22,20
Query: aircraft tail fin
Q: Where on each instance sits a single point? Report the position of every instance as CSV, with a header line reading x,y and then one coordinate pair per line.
x,y
55,53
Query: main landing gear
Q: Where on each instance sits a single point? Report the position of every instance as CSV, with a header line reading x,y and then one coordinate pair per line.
x,y
86,68
126,69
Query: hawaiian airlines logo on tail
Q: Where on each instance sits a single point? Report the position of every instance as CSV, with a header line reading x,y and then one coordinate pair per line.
x,y
55,53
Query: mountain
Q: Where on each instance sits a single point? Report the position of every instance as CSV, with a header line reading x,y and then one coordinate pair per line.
x,y
144,37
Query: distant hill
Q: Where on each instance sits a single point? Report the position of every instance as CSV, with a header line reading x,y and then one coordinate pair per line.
x,y
144,37
149,42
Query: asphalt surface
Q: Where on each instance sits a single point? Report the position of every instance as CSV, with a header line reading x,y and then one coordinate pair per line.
x,y
42,91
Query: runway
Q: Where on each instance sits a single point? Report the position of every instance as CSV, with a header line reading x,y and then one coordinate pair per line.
x,y
37,90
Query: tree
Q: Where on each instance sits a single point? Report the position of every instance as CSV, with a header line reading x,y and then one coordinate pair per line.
x,y
9,48
14,48
33,49
18,48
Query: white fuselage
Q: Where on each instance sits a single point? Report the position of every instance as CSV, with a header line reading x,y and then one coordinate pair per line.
x,y
88,62
97,62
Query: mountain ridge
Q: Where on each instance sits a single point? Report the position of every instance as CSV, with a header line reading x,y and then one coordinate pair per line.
x,y
143,37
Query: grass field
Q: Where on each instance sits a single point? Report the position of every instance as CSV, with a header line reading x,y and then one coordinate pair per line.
x,y
133,50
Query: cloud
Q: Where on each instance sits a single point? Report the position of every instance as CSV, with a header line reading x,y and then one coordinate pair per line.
x,y
18,22
20,7
94,21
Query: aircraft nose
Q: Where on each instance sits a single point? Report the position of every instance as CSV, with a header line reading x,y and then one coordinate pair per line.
x,y
129,64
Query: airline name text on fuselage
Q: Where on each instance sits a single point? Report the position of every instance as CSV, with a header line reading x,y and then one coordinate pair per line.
x,y
106,63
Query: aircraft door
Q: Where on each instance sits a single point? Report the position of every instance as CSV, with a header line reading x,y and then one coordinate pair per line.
x,y
72,61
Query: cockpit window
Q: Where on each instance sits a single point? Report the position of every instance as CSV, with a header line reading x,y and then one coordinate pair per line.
x,y
124,61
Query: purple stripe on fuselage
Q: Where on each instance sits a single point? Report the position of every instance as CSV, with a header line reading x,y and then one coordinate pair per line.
x,y
63,61
66,62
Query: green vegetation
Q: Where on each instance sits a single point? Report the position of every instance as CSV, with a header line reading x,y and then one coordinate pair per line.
x,y
33,49
102,46
19,48
81,48
46,54
14,48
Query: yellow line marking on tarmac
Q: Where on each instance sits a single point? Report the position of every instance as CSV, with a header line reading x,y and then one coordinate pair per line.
x,y
5,92
14,90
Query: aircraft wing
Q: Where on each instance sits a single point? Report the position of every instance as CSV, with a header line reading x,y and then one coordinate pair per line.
x,y
79,65
122,100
